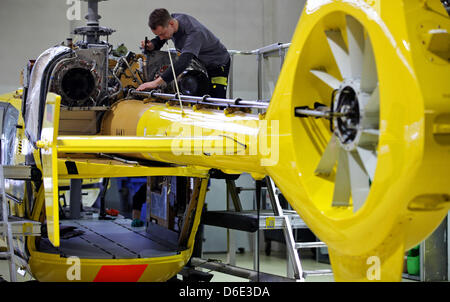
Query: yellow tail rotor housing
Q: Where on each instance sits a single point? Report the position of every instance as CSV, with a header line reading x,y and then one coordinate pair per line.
x,y
407,194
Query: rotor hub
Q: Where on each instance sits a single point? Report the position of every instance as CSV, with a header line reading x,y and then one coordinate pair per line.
x,y
347,126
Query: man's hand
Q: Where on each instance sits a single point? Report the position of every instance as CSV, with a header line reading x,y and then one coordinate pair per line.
x,y
151,85
148,47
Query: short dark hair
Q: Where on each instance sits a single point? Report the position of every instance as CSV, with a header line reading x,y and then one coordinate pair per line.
x,y
159,17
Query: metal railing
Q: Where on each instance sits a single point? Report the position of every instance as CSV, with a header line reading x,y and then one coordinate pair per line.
x,y
272,50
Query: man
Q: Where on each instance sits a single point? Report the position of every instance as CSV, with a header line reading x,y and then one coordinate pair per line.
x,y
192,39
138,200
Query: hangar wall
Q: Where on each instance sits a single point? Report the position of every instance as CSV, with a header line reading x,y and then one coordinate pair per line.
x,y
27,28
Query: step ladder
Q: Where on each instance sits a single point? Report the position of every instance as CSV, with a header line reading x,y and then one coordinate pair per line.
x,y
7,229
12,227
288,231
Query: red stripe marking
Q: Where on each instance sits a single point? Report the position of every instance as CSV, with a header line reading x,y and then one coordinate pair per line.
x,y
120,273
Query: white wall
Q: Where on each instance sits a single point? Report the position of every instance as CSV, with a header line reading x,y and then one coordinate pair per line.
x,y
28,27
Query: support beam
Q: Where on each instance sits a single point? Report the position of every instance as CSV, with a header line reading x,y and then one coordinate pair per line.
x,y
75,198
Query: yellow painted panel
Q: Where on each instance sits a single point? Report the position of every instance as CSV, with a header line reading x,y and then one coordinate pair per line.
x,y
97,168
50,165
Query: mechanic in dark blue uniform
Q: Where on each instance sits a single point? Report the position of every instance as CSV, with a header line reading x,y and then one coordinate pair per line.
x,y
192,39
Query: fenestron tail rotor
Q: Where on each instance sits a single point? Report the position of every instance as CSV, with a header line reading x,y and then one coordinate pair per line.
x,y
353,114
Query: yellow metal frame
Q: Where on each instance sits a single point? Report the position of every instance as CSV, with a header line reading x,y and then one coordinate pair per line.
x,y
115,144
50,165
410,193
97,168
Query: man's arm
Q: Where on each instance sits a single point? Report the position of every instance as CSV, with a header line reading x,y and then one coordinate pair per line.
x,y
151,85
179,66
157,43
191,49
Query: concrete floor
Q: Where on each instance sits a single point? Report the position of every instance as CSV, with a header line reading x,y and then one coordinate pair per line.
x,y
4,273
275,264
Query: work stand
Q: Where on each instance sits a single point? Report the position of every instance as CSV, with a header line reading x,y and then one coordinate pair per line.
x,y
12,227
254,221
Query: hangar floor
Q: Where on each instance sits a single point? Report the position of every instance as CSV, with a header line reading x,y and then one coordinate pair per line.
x,y
274,264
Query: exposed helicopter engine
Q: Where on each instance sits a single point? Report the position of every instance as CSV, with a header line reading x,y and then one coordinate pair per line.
x,y
81,79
